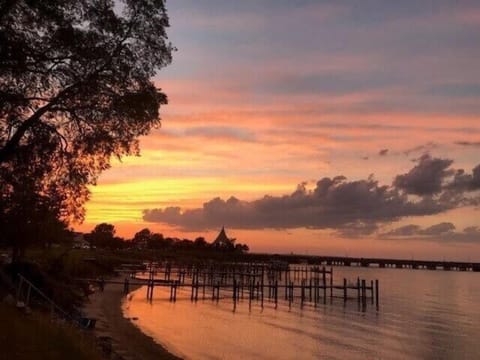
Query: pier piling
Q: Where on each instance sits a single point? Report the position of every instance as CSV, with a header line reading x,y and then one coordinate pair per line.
x,y
307,283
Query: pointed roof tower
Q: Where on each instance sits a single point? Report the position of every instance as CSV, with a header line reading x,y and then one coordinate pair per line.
x,y
222,241
222,236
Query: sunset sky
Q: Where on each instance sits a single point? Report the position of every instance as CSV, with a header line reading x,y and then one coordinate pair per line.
x,y
341,128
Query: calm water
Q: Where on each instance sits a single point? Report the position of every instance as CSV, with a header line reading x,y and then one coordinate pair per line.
x,y
422,315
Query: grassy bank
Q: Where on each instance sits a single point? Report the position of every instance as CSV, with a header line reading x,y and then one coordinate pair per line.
x,y
35,336
56,271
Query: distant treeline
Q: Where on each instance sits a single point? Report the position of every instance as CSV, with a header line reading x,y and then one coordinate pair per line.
x,y
103,236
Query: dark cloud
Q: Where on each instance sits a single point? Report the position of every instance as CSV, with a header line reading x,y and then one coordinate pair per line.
x,y
406,230
421,148
346,206
351,208
383,152
444,231
357,229
426,178
415,230
462,181
438,229
468,143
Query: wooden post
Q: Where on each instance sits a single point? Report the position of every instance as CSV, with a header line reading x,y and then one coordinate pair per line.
x,y
193,288
171,291
234,290
371,291
234,294
302,295
376,292
310,290
276,293
292,290
242,280
344,289
358,289
364,292
204,284
324,279
250,295
263,275
290,294
331,282
197,285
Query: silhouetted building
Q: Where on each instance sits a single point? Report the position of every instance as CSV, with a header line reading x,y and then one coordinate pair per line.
x,y
222,241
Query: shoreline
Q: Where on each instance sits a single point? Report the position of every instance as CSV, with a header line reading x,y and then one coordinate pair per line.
x,y
128,341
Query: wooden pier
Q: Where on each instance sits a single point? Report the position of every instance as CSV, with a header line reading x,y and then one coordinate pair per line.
x,y
376,262
258,283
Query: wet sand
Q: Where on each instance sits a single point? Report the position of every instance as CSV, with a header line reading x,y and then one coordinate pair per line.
x,y
127,340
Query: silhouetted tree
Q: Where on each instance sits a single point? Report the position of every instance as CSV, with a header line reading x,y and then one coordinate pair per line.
x,y
118,243
183,244
242,248
169,242
200,242
156,241
141,238
29,210
102,236
75,90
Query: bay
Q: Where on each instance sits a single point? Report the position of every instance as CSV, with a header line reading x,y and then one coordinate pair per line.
x,y
422,315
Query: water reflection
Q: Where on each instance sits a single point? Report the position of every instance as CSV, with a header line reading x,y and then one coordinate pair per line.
x,y
423,315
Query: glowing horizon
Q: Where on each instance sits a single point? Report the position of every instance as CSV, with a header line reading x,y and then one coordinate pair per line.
x,y
263,97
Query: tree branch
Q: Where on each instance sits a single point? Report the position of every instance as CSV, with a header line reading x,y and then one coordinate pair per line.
x,y
8,149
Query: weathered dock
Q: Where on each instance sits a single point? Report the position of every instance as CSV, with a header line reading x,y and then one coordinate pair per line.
x,y
260,283
353,261
399,263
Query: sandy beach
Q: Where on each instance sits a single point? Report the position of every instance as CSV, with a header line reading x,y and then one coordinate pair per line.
x,y
128,342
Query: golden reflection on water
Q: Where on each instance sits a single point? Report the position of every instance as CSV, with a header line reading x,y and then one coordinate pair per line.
x,y
423,315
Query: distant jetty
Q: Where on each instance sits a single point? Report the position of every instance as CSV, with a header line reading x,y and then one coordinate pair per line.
x,y
369,262
398,263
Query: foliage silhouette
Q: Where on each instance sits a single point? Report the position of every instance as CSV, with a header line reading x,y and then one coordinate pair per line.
x,y
75,90
103,236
